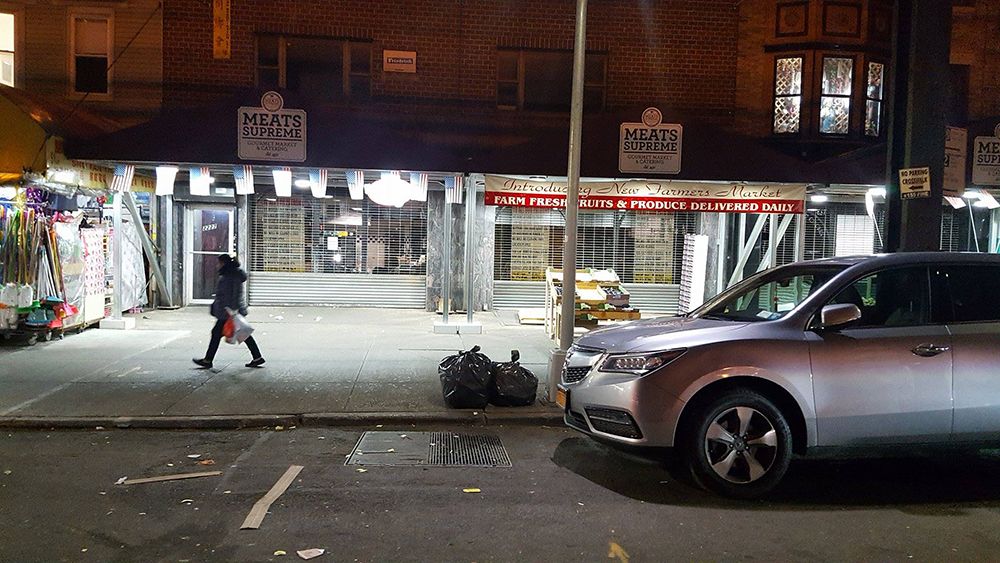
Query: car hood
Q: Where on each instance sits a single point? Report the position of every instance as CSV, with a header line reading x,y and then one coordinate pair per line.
x,y
657,334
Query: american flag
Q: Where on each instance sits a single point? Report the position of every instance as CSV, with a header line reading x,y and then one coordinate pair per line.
x,y
201,183
243,174
317,182
418,183
453,189
121,180
356,183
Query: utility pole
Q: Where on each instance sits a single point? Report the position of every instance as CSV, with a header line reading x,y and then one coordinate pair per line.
x,y
568,311
920,94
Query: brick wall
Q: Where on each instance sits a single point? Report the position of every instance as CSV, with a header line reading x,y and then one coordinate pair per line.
x,y
975,41
137,76
680,53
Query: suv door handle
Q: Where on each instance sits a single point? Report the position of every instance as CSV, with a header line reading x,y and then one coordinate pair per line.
x,y
928,350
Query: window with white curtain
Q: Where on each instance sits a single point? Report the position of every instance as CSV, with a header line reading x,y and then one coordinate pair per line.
x,y
90,37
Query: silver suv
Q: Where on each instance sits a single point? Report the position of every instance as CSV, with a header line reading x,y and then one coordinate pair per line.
x,y
898,349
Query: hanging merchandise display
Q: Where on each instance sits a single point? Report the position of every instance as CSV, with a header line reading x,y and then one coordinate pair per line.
x,y
43,267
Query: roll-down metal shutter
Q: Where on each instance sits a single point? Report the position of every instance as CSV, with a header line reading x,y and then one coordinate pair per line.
x,y
337,251
280,288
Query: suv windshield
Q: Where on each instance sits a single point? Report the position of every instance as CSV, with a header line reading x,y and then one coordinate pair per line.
x,y
767,296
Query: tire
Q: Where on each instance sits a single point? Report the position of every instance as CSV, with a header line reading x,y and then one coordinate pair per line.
x,y
739,445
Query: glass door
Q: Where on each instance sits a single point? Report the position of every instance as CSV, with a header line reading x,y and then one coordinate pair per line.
x,y
208,234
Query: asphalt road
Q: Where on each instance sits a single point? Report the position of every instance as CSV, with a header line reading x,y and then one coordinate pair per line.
x,y
565,498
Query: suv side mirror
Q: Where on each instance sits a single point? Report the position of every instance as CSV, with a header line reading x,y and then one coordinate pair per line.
x,y
832,316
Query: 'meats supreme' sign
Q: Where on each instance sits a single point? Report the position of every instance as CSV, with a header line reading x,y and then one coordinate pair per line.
x,y
650,195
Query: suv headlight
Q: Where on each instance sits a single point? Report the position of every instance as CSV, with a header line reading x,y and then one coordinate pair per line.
x,y
639,364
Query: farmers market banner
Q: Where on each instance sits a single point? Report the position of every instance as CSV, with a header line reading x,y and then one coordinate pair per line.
x,y
650,195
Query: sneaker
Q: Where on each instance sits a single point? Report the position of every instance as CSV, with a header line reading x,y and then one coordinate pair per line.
x,y
202,362
256,363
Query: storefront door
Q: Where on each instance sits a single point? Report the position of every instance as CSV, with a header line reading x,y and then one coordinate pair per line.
x,y
208,234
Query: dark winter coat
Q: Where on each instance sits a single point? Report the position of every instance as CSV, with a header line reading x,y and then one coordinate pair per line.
x,y
229,292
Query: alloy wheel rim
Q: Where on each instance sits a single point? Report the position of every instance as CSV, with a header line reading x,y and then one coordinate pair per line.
x,y
741,445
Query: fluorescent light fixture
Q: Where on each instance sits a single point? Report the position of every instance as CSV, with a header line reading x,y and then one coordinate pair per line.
x,y
819,198
282,181
981,203
970,194
356,209
165,176
876,192
301,183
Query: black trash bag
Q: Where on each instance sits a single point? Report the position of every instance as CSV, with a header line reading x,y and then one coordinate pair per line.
x,y
465,379
513,385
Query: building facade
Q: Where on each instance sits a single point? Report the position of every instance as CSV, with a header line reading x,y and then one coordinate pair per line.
x,y
105,56
767,91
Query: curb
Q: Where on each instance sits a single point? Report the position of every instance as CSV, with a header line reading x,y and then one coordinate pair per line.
x,y
236,422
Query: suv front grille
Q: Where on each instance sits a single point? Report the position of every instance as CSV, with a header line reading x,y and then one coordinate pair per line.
x,y
574,374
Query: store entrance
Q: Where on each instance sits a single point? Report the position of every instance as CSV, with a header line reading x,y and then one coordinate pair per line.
x,y
208,234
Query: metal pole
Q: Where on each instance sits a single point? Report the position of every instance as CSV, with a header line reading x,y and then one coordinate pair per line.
x,y
772,241
972,226
167,240
446,264
573,191
116,241
470,231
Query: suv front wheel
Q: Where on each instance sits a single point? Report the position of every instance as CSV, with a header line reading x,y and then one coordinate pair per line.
x,y
739,445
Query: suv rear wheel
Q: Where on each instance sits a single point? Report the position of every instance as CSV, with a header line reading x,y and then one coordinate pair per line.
x,y
739,445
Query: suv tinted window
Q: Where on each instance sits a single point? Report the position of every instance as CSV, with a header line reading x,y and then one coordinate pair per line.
x,y
967,293
890,298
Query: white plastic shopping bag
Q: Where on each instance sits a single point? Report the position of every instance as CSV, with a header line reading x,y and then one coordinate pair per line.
x,y
241,329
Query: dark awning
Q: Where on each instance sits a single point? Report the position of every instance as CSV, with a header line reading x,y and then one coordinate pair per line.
x,y
449,140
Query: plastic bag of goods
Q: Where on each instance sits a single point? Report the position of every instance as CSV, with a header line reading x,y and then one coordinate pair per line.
x,y
465,379
513,384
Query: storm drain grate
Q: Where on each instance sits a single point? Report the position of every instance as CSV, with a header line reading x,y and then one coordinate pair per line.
x,y
435,449
467,450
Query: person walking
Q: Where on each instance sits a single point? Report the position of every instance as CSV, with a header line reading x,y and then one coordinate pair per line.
x,y
228,297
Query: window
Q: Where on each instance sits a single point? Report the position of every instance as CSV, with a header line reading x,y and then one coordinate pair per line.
x,y
767,297
543,80
7,49
90,37
891,298
966,293
787,95
332,69
874,92
835,101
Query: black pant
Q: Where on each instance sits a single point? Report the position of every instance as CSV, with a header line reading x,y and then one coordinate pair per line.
x,y
213,344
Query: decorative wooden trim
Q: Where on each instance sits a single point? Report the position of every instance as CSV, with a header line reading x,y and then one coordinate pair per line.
x,y
855,33
785,9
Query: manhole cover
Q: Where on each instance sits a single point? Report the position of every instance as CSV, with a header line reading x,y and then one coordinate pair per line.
x,y
435,449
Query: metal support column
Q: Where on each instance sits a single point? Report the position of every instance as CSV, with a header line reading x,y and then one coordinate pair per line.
x,y
167,239
446,264
568,311
470,242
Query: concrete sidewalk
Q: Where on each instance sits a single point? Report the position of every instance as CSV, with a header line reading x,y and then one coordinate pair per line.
x,y
324,366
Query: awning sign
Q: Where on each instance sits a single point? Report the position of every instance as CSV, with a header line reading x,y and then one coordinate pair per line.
x,y
650,147
271,132
986,160
664,196
914,183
